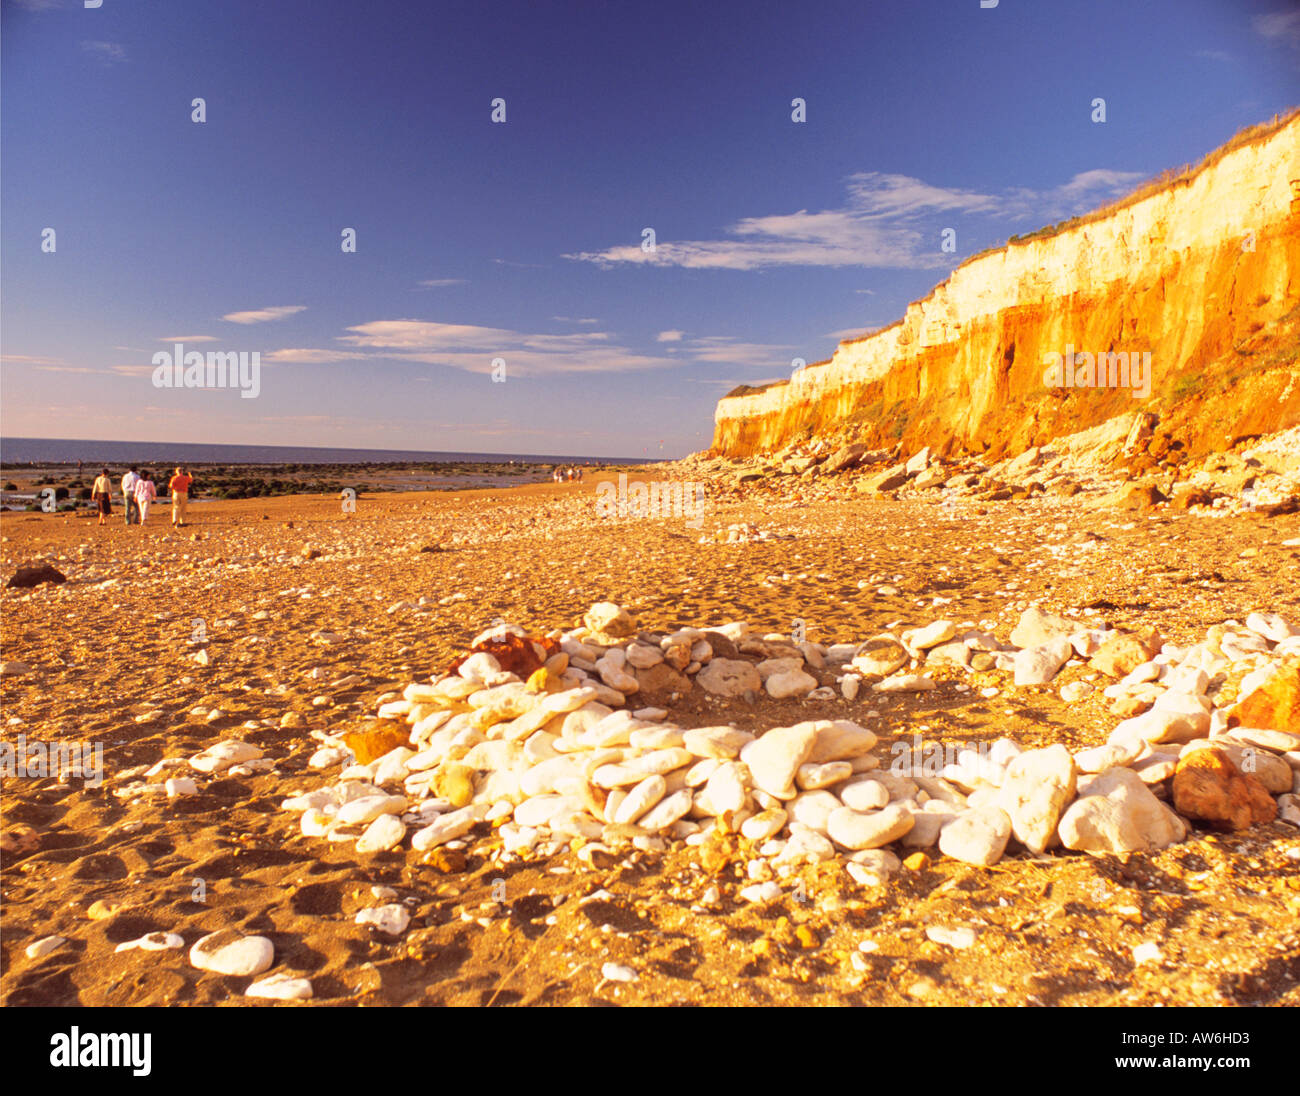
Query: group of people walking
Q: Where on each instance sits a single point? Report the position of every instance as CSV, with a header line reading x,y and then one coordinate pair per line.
x,y
138,491
559,475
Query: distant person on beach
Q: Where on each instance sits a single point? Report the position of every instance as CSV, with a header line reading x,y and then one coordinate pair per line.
x,y
128,493
179,486
102,493
145,493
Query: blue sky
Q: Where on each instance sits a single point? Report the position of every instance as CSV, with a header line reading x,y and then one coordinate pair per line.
x,y
522,240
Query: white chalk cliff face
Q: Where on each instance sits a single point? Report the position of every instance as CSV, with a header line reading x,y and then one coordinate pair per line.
x,y
1187,273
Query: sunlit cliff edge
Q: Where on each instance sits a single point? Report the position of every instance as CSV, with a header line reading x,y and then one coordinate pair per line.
x,y
1202,270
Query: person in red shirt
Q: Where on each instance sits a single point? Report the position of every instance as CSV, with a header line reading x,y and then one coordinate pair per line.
x,y
179,486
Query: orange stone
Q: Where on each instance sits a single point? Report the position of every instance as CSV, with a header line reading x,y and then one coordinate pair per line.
x,y
1275,705
1208,786
376,739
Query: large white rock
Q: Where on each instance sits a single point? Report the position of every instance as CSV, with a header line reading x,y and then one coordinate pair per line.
x,y
791,683
765,824
385,832
1117,812
941,631
866,794
810,777
391,919
855,830
447,827
223,755
1170,723
774,759
1037,787
1038,665
812,809
367,808
720,742
1037,627
977,836
729,677
640,799
726,789
667,811
229,952
840,740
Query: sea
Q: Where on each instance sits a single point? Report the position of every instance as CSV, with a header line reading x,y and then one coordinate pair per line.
x,y
37,451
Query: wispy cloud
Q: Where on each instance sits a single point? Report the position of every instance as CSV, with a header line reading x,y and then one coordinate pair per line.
x,y
473,348
262,315
570,319
312,357
725,349
1279,26
876,227
439,283
1214,55
188,338
38,5
67,369
108,52
669,336
28,359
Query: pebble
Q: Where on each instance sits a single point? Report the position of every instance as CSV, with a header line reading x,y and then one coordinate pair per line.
x,y
223,755
616,972
762,893
959,937
42,947
391,919
228,952
384,832
154,941
280,987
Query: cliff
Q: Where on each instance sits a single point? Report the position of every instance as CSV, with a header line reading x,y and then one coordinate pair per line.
x,y
1200,271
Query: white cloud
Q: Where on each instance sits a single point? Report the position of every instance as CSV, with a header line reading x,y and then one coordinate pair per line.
x,y
188,338
1281,26
105,51
261,315
725,349
876,227
28,359
438,283
669,336
312,357
472,348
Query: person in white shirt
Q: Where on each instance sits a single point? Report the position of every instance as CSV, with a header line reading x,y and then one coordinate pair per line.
x,y
128,493
145,493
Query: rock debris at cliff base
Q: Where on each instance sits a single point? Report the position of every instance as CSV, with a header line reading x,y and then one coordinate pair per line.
x,y
302,653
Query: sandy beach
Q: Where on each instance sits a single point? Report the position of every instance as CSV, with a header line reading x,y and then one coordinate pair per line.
x,y
276,621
